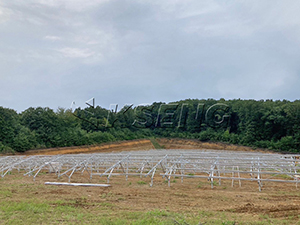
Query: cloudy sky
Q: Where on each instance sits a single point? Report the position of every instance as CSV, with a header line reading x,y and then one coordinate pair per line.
x,y
53,52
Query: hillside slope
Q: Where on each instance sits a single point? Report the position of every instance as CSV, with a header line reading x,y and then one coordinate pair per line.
x,y
142,144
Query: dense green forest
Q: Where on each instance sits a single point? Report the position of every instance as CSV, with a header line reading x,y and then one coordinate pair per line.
x,y
265,124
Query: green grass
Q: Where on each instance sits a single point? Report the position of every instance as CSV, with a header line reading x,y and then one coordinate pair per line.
x,y
4,193
155,144
66,212
284,176
141,182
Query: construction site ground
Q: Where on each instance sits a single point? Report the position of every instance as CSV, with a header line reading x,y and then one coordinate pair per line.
x,y
133,201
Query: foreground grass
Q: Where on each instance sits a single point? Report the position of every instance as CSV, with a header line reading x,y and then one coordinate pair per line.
x,y
67,212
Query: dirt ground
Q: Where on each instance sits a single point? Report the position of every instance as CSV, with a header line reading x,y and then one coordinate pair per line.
x,y
142,144
173,143
193,196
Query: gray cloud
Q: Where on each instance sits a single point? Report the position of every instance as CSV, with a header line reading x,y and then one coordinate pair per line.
x,y
55,52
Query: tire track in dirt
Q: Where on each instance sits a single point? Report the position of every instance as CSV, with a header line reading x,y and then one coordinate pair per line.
x,y
276,211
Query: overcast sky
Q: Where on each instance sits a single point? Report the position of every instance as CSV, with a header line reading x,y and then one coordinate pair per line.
x,y
53,52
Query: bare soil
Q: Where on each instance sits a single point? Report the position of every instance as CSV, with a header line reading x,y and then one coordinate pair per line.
x,y
142,144
246,203
277,201
173,143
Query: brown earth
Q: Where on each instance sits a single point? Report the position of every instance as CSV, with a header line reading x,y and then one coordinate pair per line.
x,y
194,196
142,144
196,144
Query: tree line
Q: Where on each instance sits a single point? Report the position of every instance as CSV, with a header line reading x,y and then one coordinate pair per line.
x,y
260,124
